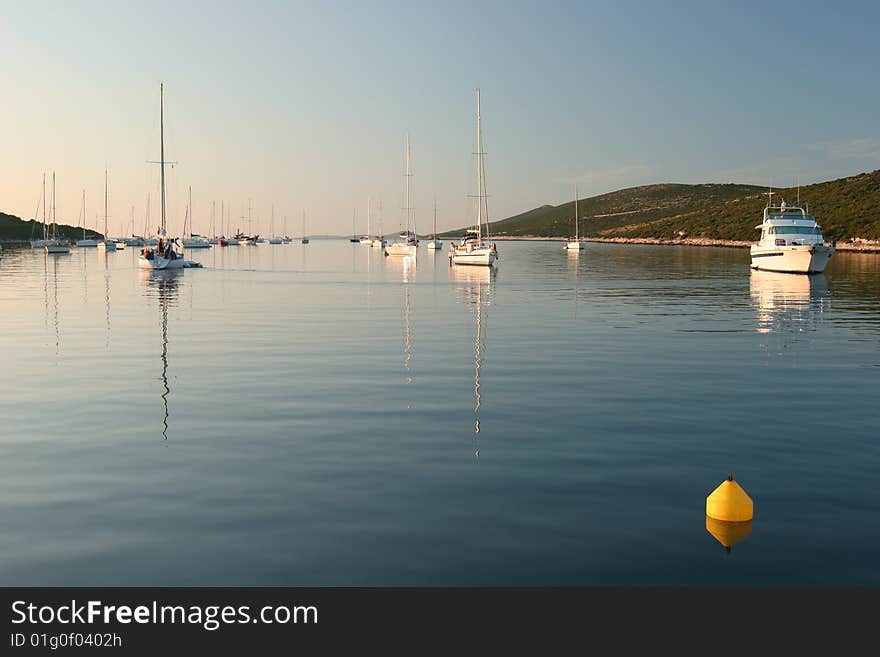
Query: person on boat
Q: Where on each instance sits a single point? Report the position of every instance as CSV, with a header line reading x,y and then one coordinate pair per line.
x,y
783,206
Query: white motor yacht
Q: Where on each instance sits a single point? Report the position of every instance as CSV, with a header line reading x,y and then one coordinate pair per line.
x,y
791,241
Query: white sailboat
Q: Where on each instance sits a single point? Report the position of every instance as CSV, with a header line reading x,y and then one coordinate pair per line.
x,y
53,244
85,241
41,243
273,238
164,255
286,239
367,240
473,250
576,244
193,240
434,243
304,240
106,243
379,241
407,242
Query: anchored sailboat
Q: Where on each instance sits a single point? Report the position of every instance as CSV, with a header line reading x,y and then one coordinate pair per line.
x,y
472,250
194,240
407,242
434,243
165,254
107,244
53,244
85,241
576,244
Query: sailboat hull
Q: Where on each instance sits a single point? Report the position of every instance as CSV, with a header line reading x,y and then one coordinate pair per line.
x,y
87,242
107,246
434,244
57,248
485,256
400,250
574,246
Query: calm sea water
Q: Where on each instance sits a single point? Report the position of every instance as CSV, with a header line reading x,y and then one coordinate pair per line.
x,y
322,415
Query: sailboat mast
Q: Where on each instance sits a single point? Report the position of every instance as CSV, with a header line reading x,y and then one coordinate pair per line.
x,y
434,234
369,204
408,189
84,214
54,224
147,217
105,205
575,213
45,228
162,149
479,173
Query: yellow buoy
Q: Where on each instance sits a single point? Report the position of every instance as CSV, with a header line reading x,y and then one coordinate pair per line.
x,y
729,502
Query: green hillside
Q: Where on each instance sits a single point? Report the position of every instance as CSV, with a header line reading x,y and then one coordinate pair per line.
x,y
13,229
845,208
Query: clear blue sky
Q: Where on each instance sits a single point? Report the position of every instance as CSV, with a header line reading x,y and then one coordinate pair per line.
x,y
306,105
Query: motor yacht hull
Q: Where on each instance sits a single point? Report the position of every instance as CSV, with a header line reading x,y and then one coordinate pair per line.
x,y
807,259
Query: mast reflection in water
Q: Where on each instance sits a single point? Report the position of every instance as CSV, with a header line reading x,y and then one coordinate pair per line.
x,y
165,284
477,289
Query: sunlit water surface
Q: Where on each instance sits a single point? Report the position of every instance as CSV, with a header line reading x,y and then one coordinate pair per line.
x,y
323,415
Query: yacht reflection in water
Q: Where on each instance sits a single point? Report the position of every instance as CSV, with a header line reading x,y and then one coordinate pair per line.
x,y
789,303
164,283
476,285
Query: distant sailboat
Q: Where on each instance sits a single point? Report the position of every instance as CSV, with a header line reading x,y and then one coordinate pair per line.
x,y
407,242
434,243
164,255
41,243
53,244
304,240
287,239
194,240
576,244
273,238
106,243
379,241
367,239
85,241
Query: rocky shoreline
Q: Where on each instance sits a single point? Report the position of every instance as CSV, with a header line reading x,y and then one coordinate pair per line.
x,y
861,246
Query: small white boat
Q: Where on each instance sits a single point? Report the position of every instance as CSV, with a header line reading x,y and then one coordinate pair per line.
x,y
120,245
575,244
407,242
379,242
473,250
791,241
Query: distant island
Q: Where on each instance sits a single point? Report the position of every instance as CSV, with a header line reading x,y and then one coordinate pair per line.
x,y
14,229
848,209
